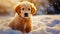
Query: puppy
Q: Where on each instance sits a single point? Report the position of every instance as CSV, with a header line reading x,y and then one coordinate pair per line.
x,y
22,19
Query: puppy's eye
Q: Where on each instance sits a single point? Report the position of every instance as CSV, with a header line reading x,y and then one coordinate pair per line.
x,y
29,9
22,8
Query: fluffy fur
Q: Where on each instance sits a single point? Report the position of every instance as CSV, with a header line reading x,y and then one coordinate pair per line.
x,y
19,22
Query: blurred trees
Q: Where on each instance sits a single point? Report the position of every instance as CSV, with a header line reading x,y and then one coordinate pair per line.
x,y
56,5
43,6
3,9
7,6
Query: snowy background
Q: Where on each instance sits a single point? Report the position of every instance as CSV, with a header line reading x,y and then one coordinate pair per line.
x,y
42,24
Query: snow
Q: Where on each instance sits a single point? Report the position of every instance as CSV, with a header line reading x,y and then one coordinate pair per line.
x,y
42,24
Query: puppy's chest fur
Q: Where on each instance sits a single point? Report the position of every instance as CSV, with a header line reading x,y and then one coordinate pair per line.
x,y
22,23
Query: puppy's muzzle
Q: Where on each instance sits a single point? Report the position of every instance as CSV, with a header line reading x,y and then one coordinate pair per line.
x,y
25,14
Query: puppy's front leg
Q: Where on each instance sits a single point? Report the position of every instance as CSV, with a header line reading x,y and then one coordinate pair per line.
x,y
28,28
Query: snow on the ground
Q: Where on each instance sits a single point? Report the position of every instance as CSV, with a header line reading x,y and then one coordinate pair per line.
x,y
42,24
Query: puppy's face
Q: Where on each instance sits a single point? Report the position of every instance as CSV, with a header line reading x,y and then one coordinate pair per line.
x,y
25,9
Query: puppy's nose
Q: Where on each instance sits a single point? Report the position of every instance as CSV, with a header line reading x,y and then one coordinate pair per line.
x,y
26,15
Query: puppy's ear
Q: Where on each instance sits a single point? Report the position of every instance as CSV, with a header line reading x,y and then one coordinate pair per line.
x,y
33,9
17,9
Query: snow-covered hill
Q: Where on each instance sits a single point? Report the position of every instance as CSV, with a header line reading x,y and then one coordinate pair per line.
x,y
42,24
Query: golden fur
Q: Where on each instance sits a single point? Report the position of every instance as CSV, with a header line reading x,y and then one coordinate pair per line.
x,y
20,23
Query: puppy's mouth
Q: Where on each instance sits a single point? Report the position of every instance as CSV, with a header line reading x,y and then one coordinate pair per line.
x,y
25,14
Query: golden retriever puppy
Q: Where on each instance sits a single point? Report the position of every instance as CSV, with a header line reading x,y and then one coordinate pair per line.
x,y
22,19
